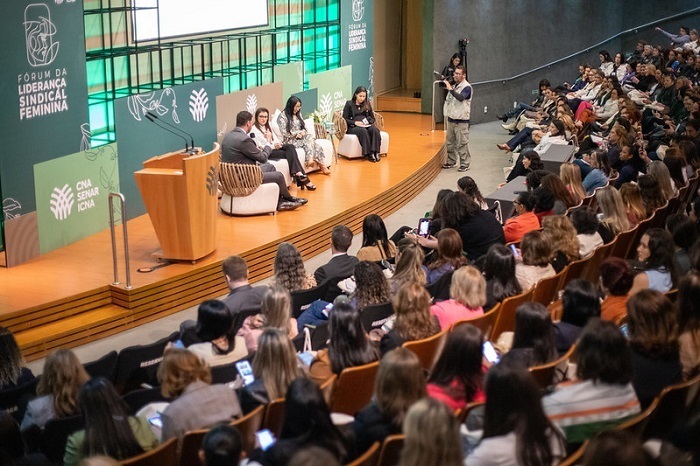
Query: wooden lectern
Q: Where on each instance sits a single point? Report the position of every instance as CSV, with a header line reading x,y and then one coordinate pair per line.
x,y
179,191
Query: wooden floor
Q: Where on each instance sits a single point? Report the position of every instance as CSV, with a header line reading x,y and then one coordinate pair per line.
x,y
64,298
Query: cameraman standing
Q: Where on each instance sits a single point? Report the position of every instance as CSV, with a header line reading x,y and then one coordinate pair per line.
x,y
457,110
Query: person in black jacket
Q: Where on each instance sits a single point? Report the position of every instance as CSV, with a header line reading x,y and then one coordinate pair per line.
x,y
360,119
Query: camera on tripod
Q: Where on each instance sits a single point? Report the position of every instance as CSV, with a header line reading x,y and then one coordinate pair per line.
x,y
463,44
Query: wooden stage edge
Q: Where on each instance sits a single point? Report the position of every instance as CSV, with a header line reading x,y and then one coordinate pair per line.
x,y
105,310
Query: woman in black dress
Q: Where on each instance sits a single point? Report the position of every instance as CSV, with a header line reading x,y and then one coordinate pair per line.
x,y
360,118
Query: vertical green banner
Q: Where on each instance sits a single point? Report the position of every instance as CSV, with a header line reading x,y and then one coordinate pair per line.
x,y
72,195
334,89
357,41
291,75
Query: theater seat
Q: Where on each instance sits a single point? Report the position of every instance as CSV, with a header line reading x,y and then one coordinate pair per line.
x,y
348,144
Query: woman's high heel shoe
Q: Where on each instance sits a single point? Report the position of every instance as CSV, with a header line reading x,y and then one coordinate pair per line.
x,y
324,169
304,182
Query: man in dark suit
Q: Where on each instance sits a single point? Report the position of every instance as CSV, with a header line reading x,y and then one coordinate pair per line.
x,y
238,147
341,264
242,295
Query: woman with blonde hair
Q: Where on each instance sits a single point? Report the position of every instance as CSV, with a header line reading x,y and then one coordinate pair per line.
x,y
570,175
274,367
663,177
399,384
409,265
634,204
613,209
413,320
196,404
289,269
561,234
432,436
275,312
58,389
468,296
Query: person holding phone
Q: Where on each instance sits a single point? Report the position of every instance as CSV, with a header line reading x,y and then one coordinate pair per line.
x,y
359,116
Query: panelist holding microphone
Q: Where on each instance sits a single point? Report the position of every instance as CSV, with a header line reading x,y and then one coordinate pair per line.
x,y
238,147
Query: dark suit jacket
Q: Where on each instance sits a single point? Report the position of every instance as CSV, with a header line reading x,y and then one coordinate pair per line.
x,y
238,147
245,297
341,266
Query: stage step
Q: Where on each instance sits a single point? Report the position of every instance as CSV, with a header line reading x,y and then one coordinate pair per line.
x,y
391,103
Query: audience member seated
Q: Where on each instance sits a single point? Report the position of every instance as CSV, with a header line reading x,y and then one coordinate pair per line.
x,y
409,265
689,324
413,320
313,456
468,296
600,173
12,449
307,422
616,277
516,429
431,436
218,344
563,199
612,208
468,186
294,132
602,395
655,254
221,446
561,235
651,193
533,265
376,245
667,187
570,175
399,384
527,162
341,264
349,345
533,338
632,197
109,429
242,295
276,312
275,366
61,380
653,333
587,229
544,201
617,448
580,303
449,256
196,404
526,220
457,378
684,233
289,269
13,373
499,273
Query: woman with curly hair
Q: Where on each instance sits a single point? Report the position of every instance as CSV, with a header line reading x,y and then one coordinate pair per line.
x,y
371,285
634,205
376,244
655,252
651,193
58,389
289,269
409,265
413,320
613,209
449,255
12,370
561,235
468,296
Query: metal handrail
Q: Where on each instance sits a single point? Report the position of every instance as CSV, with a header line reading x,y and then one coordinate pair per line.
x,y
122,201
588,49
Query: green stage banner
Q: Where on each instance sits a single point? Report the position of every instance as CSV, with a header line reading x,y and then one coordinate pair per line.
x,y
357,41
72,194
190,109
334,89
291,75
43,97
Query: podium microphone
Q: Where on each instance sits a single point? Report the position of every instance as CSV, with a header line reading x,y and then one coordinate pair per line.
x,y
156,117
150,118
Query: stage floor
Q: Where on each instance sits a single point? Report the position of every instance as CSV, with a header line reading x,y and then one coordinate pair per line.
x,y
65,298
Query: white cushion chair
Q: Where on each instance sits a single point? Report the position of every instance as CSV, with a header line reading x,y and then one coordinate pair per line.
x,y
244,193
348,144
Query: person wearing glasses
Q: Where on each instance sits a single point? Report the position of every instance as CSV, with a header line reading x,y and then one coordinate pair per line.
x,y
526,220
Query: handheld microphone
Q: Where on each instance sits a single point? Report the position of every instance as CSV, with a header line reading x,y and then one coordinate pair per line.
x,y
150,118
156,117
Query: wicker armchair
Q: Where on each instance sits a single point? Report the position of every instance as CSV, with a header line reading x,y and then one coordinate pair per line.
x,y
348,144
244,192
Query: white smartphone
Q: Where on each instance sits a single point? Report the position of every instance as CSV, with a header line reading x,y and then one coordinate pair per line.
x,y
306,358
245,371
265,438
490,353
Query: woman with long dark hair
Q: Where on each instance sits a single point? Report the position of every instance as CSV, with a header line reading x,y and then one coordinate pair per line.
x,y
651,193
600,174
376,244
360,119
499,272
109,429
13,373
307,422
289,269
655,252
516,429
349,345
264,135
218,344
457,376
469,187
294,132
689,324
562,196
533,338
371,285
580,303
